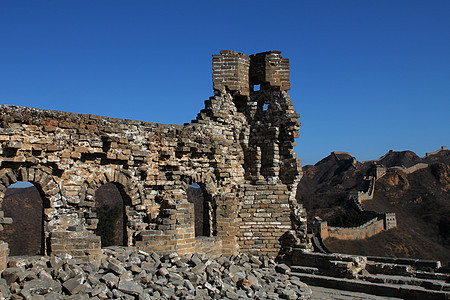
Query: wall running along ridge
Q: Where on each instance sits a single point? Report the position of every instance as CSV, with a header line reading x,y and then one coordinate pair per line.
x,y
384,221
239,149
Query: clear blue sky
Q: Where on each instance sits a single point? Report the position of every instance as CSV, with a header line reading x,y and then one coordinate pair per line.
x,y
366,76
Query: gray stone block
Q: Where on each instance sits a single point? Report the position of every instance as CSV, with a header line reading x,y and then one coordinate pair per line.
x,y
130,287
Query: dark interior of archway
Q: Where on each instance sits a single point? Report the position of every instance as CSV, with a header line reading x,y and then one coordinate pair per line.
x,y
195,195
25,236
110,210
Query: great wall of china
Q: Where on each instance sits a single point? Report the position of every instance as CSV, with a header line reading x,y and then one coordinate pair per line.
x,y
383,221
239,150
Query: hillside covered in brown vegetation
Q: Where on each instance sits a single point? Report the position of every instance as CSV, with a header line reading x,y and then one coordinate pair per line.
x,y
420,199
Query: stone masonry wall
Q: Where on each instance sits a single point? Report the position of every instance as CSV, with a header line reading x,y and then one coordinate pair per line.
x,y
239,149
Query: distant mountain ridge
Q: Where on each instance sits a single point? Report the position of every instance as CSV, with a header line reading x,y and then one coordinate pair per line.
x,y
419,196
409,158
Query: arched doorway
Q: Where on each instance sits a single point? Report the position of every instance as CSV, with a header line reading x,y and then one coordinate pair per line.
x,y
203,209
24,204
110,209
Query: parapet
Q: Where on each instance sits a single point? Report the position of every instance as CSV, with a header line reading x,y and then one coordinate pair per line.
x,y
240,72
231,70
270,68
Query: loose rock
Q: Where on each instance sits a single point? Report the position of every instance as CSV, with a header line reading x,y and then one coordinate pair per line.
x,y
129,274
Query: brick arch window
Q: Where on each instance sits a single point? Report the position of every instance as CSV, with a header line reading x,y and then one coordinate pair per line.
x,y
127,196
202,209
110,208
199,191
23,211
28,195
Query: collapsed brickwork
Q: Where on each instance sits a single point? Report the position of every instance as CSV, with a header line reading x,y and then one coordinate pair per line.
x,y
239,150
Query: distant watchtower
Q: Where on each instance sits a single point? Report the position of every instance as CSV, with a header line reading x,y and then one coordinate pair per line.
x,y
390,221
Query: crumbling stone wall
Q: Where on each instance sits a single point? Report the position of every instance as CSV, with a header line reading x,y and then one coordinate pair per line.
x,y
239,149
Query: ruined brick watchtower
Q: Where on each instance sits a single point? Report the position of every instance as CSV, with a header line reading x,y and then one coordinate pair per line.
x,y
240,72
239,150
258,86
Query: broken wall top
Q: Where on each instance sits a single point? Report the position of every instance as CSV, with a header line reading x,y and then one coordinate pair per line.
x,y
240,72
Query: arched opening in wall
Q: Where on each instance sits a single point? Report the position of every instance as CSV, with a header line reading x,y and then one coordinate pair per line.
x,y
203,209
110,200
23,204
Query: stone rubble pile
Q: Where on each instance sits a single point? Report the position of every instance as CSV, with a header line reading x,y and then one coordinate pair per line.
x,y
126,273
